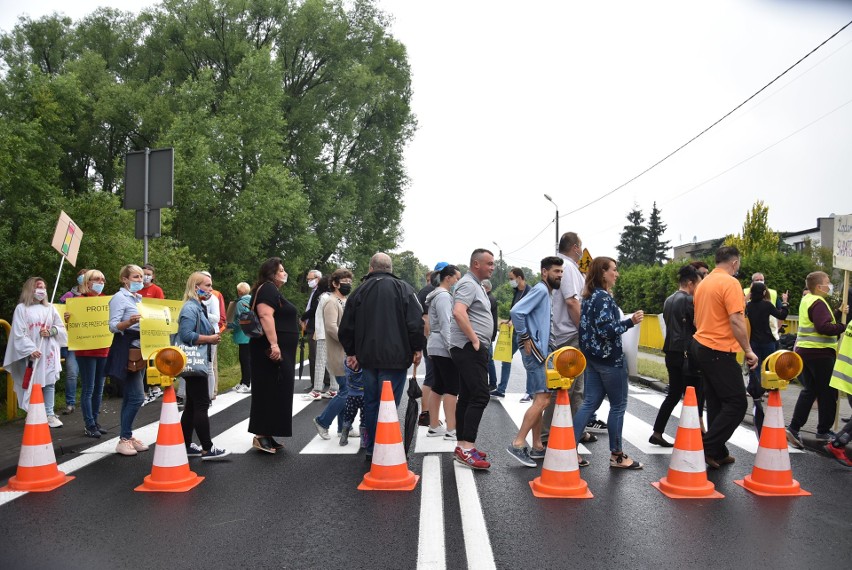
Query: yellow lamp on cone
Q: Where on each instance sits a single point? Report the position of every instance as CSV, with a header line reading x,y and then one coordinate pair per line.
x,y
779,368
167,362
562,366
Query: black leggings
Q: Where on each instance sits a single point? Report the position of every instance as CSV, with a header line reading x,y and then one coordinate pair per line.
x,y
195,408
245,364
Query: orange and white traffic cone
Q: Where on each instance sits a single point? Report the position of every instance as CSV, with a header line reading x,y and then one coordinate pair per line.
x,y
772,475
389,471
37,470
170,472
560,473
687,477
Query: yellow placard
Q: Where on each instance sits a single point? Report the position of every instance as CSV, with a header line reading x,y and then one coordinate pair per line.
x,y
585,261
159,322
503,351
88,323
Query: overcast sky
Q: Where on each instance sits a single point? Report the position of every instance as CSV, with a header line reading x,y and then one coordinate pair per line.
x,y
573,99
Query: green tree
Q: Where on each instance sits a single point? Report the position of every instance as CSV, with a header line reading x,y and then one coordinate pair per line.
x,y
407,267
756,236
656,250
634,237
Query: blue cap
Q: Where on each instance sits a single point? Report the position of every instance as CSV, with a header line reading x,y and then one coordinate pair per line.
x,y
440,265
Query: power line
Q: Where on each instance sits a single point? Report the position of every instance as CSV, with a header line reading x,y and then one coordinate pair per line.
x,y
532,240
725,116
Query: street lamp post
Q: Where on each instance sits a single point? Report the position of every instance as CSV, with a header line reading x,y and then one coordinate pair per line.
x,y
500,249
549,199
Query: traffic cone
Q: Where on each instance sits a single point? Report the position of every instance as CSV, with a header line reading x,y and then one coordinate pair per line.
x,y
37,470
389,470
560,473
170,472
772,475
687,477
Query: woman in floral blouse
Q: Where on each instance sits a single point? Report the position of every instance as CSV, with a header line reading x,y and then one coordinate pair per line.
x,y
601,327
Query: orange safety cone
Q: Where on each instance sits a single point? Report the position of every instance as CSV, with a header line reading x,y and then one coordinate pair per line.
x,y
37,470
687,477
560,473
772,475
389,471
170,472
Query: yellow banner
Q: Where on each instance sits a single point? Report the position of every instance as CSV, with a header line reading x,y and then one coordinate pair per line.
x,y
503,352
88,323
159,321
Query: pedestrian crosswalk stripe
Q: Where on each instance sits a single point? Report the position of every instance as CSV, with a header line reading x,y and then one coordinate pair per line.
x,y
431,546
516,410
476,542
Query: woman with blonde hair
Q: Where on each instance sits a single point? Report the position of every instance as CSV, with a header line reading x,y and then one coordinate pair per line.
x,y
34,341
124,324
194,328
92,364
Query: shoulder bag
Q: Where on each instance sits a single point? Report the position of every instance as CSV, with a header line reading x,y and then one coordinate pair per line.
x,y
249,321
197,357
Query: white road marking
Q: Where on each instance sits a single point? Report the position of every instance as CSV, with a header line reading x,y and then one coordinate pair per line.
x,y
516,410
426,444
431,548
476,542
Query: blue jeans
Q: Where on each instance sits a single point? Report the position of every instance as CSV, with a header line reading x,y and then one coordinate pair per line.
x,y
506,369
49,392
604,380
492,369
335,406
373,379
131,402
92,379
72,370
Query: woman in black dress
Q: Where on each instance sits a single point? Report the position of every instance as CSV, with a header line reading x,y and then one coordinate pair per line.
x,y
273,356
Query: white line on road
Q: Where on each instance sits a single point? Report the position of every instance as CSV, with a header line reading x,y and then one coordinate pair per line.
x,y
431,547
516,410
477,545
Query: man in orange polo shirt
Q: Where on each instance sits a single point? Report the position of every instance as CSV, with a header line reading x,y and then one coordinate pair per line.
x,y
721,332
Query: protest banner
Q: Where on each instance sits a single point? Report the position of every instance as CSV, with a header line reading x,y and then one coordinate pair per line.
x,y
159,322
88,323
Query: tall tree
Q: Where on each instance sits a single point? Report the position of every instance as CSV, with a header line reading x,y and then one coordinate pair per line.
x,y
631,249
656,250
757,236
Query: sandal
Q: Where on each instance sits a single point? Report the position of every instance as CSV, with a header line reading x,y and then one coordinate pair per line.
x,y
617,460
582,461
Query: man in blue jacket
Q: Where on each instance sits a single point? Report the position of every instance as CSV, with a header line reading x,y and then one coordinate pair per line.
x,y
531,317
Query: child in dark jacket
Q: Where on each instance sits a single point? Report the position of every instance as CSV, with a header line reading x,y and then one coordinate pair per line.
x,y
354,403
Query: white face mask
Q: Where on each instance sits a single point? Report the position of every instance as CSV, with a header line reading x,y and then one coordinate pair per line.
x,y
513,283
312,283
830,289
40,294
283,281
148,279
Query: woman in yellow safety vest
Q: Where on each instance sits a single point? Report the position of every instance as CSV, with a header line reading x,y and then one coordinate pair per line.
x,y
841,378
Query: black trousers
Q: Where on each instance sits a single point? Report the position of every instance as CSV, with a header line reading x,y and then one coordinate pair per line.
x,y
472,366
245,364
724,389
815,377
683,372
195,408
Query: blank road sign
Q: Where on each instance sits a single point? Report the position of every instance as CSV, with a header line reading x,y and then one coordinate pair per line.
x,y
160,179
153,224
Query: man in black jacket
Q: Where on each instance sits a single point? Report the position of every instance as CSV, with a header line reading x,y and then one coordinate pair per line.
x,y
382,333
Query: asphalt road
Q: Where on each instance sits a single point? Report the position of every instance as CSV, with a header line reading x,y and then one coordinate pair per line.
x,y
300,508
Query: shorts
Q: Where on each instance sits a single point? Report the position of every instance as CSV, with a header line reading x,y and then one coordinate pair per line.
x,y
536,377
446,376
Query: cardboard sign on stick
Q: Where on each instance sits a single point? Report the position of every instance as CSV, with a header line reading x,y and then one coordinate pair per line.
x,y
67,238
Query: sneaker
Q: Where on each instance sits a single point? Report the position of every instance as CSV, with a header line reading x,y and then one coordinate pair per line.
x,y
329,394
839,454
827,436
354,432
424,420
138,445
794,439
125,447
323,432
344,436
497,394
468,458
621,461
194,450
69,410
588,437
537,453
597,426
54,422
437,431
312,396
526,399
156,392
478,454
522,454
214,454
450,435
100,429
92,432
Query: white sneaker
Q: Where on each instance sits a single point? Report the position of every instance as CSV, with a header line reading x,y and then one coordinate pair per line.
x,y
138,445
54,422
156,392
125,447
354,432
438,431
242,389
450,435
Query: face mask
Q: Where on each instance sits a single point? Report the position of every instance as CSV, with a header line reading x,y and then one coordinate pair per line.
x,y
135,286
312,283
98,288
283,281
202,294
79,279
757,282
40,294
830,291
148,279
513,283
345,288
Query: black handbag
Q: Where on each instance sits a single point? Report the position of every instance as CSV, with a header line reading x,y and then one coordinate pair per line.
x,y
249,321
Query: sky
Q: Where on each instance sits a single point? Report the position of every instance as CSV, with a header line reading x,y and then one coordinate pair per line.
x,y
515,100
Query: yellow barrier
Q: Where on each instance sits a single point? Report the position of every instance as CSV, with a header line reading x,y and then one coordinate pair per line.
x,y
11,398
651,333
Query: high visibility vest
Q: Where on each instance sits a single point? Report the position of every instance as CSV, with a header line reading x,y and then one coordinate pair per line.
x,y
773,322
841,377
808,337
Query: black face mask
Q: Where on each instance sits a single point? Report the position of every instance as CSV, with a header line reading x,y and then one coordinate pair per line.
x,y
345,289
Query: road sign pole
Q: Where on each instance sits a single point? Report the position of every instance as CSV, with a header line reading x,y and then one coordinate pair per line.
x,y
147,208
